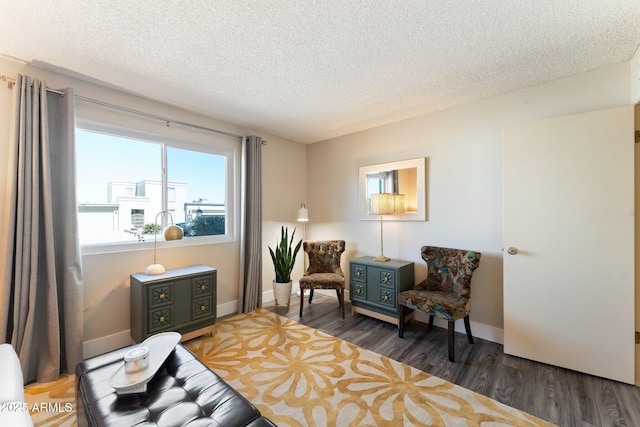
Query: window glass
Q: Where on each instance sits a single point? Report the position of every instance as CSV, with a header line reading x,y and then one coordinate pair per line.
x,y
121,189
200,199
118,187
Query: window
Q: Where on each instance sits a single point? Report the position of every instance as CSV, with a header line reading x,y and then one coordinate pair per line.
x,y
125,179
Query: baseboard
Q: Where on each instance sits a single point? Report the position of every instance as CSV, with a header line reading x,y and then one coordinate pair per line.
x,y
105,344
122,339
478,330
227,308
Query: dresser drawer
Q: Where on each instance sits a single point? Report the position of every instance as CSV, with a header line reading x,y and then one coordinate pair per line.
x,y
160,295
385,278
358,272
201,308
161,319
359,290
387,297
201,286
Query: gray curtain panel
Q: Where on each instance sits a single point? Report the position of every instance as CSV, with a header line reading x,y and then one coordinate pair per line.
x,y
41,293
250,296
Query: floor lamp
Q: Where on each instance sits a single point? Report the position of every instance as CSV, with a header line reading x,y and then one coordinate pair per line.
x,y
385,204
303,217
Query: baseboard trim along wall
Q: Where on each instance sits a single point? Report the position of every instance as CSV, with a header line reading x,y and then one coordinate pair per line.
x,y
105,344
122,339
478,330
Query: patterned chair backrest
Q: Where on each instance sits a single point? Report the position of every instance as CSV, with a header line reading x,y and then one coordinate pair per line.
x,y
324,256
449,270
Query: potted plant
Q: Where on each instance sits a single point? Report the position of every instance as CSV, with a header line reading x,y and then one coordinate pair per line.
x,y
284,258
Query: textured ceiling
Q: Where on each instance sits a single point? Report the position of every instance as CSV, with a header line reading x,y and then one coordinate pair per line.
x,y
313,70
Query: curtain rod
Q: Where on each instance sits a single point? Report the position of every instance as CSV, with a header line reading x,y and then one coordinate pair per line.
x,y
11,82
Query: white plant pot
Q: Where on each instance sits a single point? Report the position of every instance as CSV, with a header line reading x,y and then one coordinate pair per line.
x,y
282,293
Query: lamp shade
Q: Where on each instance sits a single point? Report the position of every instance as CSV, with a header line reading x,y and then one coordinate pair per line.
x,y
387,204
398,203
173,232
303,214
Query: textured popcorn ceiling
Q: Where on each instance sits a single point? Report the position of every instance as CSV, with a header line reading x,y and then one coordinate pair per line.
x,y
313,70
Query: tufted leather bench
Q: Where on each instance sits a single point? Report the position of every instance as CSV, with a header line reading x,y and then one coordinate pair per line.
x,y
184,392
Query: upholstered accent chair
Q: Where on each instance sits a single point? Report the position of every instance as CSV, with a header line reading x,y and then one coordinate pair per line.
x,y
324,270
445,293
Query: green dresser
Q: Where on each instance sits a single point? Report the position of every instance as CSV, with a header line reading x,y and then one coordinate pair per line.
x,y
374,286
181,300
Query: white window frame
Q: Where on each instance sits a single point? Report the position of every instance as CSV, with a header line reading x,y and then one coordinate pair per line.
x,y
230,151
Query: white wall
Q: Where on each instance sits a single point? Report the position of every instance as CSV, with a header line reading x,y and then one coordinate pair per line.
x,y
106,276
463,147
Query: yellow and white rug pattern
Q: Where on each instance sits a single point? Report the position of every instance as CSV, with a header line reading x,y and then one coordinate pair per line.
x,y
298,376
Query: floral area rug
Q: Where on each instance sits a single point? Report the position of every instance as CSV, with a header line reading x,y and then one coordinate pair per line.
x,y
298,376
54,403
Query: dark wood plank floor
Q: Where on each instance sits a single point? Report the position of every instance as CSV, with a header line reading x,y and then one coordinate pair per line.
x,y
564,397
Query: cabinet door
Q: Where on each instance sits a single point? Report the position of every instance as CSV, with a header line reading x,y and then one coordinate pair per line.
x,y
568,215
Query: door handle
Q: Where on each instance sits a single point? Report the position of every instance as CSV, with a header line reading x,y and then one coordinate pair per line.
x,y
511,250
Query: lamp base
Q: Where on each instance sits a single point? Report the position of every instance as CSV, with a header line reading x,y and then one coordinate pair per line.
x,y
154,270
381,258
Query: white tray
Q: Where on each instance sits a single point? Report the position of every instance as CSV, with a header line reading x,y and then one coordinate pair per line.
x,y
160,347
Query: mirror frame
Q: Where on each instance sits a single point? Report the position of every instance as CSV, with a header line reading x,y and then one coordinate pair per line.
x,y
421,184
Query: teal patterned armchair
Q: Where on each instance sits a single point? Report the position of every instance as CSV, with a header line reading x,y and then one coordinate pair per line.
x,y
445,293
324,270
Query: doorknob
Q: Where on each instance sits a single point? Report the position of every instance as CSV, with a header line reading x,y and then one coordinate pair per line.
x,y
512,251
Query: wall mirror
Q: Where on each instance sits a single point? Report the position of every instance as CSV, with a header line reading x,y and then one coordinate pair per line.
x,y
404,177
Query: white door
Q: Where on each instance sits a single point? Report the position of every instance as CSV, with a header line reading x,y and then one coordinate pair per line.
x,y
568,212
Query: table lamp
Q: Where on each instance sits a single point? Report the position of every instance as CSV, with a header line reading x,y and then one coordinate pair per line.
x,y
385,204
172,232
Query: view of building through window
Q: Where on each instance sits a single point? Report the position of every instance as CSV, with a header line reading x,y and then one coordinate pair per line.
x,y
120,189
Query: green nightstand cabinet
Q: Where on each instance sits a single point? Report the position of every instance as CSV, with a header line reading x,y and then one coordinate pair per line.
x,y
374,286
181,300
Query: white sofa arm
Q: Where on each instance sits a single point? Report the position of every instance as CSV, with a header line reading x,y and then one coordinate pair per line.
x,y
13,409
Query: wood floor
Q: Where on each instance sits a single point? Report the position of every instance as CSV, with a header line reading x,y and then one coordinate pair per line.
x,y
561,396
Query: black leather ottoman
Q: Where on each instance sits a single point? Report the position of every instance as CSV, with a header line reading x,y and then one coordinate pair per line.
x,y
184,392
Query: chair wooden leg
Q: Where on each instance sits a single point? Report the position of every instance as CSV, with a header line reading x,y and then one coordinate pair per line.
x,y
341,299
301,300
467,326
431,317
401,321
310,295
451,340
